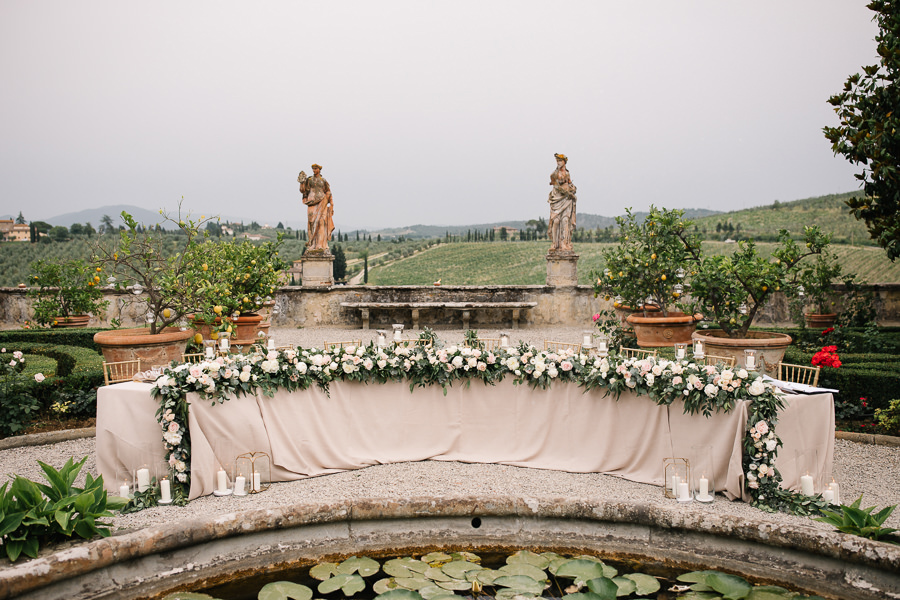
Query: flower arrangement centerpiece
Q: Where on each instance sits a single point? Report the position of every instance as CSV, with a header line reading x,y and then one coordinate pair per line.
x,y
63,290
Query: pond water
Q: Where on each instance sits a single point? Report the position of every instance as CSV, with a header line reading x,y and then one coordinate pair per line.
x,y
525,574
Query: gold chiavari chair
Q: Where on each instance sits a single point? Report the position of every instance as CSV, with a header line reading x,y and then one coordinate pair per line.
x,y
119,371
561,346
636,352
799,373
726,361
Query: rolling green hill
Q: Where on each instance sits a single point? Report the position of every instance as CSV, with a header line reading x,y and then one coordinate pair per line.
x,y
524,263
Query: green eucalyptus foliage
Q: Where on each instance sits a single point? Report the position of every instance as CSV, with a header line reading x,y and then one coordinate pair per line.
x,y
861,521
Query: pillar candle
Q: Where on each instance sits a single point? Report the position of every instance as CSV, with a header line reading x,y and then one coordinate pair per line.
x,y
836,488
143,479
684,492
751,362
828,496
679,354
239,482
209,352
221,481
675,481
704,487
256,482
165,491
806,485
271,345
123,490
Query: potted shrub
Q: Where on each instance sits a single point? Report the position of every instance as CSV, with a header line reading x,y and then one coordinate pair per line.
x,y
235,284
164,278
731,290
814,288
645,273
65,293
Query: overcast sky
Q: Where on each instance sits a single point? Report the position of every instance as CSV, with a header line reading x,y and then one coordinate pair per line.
x,y
438,113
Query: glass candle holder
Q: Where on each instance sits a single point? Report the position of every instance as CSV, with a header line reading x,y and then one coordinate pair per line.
x,y
703,481
504,340
676,479
382,338
680,351
699,350
750,360
398,332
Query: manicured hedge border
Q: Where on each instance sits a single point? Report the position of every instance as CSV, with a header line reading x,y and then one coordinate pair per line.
x,y
83,338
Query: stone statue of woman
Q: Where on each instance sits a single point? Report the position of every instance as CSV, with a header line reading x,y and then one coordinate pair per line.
x,y
320,209
562,207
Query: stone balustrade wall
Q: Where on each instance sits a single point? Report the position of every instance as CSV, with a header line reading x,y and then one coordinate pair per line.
x,y
320,307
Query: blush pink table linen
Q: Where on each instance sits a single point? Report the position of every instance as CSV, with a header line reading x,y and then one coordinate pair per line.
x,y
308,433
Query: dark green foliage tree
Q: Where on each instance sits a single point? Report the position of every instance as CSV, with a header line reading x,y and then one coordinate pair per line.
x,y
106,224
340,263
280,225
869,111
76,229
59,233
20,220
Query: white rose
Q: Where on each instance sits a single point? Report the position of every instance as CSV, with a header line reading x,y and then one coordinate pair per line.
x,y
649,378
757,388
552,372
743,374
656,370
301,367
457,361
245,376
711,390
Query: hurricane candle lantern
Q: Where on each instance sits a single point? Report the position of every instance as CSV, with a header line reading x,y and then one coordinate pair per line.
x,y
382,338
602,345
587,341
258,469
699,352
209,348
750,360
680,351
398,332
504,340
223,342
676,478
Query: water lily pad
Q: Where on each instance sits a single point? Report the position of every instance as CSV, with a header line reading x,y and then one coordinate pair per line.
x,y
284,590
365,566
584,596
348,584
404,567
692,595
525,569
433,557
556,562
413,583
384,585
581,570
626,586
695,576
436,574
323,571
188,596
513,594
731,587
487,576
520,583
604,587
468,556
459,585
429,592
458,568
646,584
399,595
770,592
528,557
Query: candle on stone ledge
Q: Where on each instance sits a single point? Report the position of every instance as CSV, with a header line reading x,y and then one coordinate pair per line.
x,y
221,481
828,495
239,483
806,485
124,490
704,487
257,487
684,492
675,481
836,489
143,479
165,491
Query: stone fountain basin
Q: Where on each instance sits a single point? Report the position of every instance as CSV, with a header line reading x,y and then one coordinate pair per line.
x,y
200,553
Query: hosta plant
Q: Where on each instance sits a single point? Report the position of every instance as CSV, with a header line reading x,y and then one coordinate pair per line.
x,y
861,521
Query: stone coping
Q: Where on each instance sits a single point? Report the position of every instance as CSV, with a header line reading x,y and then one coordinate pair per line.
x,y
118,550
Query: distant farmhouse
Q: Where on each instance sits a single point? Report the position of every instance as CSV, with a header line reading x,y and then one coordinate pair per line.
x,y
10,231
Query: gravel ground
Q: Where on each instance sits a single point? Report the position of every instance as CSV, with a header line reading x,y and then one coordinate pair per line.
x,y
873,471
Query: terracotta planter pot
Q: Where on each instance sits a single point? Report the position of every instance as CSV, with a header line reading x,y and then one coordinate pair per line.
x,y
769,347
820,320
657,331
624,311
246,327
79,321
129,344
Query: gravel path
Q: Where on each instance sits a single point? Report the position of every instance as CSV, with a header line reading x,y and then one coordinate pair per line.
x,y
873,471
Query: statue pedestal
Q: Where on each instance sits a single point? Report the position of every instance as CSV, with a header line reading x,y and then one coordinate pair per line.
x,y
562,268
316,269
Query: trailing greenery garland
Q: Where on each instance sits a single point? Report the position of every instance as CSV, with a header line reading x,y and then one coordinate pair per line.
x,y
703,389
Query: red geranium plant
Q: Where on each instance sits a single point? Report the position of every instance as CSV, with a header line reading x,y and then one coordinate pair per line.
x,y
827,357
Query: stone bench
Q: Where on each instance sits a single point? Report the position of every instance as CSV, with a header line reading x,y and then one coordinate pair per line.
x,y
465,307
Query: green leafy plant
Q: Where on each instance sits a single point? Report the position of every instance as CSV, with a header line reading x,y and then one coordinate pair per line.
x,y
170,283
861,521
65,289
18,404
888,419
646,267
867,110
32,514
471,339
236,278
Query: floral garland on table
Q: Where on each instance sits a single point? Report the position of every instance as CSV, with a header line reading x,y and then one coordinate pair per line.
x,y
704,389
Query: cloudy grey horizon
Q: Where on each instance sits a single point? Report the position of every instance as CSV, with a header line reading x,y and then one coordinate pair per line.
x,y
436,113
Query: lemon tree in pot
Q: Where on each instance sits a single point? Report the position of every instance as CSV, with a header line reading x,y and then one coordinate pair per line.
x,y
162,270
814,289
731,291
646,271
234,283
65,293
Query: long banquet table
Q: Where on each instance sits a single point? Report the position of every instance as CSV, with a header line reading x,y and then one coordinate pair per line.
x,y
308,433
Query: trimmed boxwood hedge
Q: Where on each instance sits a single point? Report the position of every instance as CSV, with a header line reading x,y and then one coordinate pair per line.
x,y
83,338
